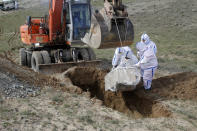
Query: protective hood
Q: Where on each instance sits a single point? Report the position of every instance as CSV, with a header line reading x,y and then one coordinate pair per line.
x,y
120,50
146,38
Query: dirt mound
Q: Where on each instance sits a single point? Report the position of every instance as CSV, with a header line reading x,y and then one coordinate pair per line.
x,y
180,86
11,87
26,75
135,104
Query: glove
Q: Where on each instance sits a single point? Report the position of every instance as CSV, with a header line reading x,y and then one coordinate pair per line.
x,y
137,65
114,67
138,54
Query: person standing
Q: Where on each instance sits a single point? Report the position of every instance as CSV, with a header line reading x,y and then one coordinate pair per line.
x,y
16,4
148,63
77,24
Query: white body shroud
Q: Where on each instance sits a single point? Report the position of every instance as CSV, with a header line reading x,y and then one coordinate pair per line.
x,y
125,76
122,79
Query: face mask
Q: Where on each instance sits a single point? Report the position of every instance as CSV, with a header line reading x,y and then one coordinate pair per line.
x,y
126,59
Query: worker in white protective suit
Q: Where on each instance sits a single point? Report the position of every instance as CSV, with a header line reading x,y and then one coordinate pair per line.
x,y
148,61
128,59
124,57
16,4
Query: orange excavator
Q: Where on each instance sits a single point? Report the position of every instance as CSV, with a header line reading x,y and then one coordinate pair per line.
x,y
66,36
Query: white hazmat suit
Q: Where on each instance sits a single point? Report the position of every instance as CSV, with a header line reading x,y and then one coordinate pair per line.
x,y
16,4
126,76
124,57
148,61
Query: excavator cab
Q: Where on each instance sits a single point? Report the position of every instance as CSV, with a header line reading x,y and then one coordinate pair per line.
x,y
78,20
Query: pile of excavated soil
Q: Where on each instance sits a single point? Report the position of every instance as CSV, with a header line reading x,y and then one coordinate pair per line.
x,y
137,103
179,86
10,87
18,81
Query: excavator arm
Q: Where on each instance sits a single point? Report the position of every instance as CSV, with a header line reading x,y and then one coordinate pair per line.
x,y
55,14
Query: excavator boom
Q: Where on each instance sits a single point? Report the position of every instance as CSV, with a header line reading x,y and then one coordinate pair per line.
x,y
55,9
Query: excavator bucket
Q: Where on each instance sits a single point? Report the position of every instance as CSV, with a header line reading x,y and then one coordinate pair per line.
x,y
109,31
61,67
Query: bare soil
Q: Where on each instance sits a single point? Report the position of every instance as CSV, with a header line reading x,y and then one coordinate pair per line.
x,y
137,103
25,74
57,104
76,100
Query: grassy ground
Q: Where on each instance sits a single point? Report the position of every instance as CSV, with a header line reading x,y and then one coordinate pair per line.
x,y
171,24
173,28
10,26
